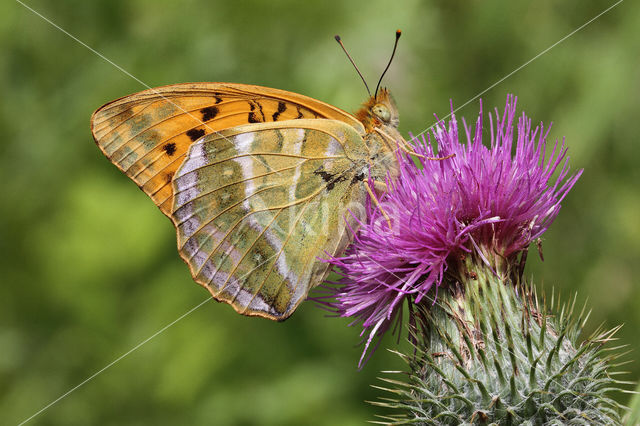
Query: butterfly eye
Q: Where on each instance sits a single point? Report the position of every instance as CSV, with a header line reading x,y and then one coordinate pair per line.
x,y
382,112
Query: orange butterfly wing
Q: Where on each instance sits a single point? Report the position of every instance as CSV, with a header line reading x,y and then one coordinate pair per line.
x,y
146,135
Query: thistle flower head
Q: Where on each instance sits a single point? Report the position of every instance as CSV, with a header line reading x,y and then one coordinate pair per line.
x,y
489,201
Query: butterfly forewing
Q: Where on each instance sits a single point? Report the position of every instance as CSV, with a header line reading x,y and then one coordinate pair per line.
x,y
148,134
256,205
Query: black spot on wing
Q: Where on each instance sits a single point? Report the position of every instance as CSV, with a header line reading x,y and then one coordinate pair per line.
x,y
299,112
209,113
282,107
256,116
358,178
168,177
170,148
253,118
217,98
330,178
195,134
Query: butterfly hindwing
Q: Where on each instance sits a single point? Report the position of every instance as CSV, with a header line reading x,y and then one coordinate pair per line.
x,y
255,206
148,134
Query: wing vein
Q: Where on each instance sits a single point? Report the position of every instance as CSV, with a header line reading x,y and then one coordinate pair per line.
x,y
245,254
241,181
208,222
183,112
264,280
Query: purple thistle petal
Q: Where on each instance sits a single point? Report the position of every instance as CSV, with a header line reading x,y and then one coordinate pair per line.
x,y
493,201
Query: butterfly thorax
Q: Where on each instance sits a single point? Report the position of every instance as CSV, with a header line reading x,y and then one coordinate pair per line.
x,y
379,115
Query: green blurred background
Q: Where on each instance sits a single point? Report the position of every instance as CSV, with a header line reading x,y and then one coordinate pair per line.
x,y
88,264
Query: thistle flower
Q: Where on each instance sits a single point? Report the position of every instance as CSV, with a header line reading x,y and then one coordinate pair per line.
x,y
485,201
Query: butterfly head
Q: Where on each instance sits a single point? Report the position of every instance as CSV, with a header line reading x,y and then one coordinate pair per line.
x,y
379,111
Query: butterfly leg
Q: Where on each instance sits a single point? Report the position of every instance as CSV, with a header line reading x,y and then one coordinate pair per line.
x,y
376,202
407,148
404,146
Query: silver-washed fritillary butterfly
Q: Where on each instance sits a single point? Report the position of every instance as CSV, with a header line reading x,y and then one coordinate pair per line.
x,y
260,183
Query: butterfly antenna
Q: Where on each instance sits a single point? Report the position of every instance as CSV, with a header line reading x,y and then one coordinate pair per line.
x,y
398,34
339,40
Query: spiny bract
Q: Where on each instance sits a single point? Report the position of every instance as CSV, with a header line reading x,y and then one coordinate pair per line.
x,y
488,353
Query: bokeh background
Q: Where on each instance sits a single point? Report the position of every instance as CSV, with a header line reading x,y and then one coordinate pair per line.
x,y
88,265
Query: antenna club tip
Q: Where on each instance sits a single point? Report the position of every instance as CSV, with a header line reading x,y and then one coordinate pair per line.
x,y
337,37
398,33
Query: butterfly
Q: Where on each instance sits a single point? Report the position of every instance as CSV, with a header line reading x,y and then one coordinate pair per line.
x,y
260,183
